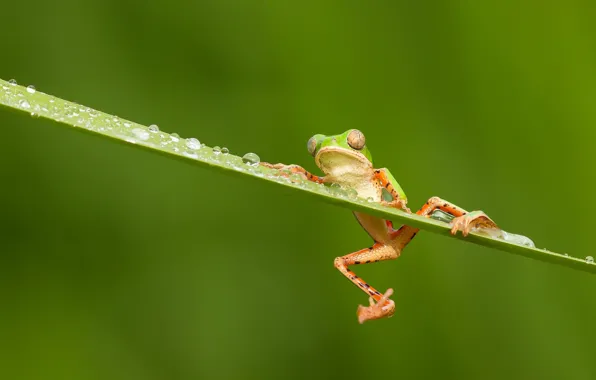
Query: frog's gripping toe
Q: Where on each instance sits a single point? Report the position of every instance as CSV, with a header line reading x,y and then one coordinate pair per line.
x,y
471,221
381,309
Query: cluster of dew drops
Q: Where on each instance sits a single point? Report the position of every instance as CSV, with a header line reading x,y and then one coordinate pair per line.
x,y
191,147
152,136
21,102
112,125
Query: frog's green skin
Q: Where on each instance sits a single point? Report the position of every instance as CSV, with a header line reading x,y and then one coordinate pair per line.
x,y
346,160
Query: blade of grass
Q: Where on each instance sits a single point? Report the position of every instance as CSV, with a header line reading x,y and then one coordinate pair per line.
x,y
82,118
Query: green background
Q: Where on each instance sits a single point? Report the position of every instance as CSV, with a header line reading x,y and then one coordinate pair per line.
x,y
120,264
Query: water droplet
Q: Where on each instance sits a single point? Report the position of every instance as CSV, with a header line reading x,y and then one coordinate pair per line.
x,y
589,260
225,150
336,189
153,128
370,199
251,159
193,143
566,255
13,82
441,216
191,154
33,114
352,193
514,238
24,104
216,150
141,133
175,137
31,89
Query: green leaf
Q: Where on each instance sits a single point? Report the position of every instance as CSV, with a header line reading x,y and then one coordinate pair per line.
x,y
38,104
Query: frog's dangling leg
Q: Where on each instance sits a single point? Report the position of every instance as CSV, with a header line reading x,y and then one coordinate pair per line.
x,y
380,305
295,169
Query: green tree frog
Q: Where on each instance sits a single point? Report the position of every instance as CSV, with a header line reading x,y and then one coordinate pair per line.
x,y
346,160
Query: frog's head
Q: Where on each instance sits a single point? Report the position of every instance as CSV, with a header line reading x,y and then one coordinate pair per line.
x,y
341,154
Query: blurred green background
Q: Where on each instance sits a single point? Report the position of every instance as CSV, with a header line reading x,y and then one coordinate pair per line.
x,y
120,264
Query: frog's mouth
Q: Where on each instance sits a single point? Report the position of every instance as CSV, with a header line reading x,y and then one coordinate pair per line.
x,y
337,161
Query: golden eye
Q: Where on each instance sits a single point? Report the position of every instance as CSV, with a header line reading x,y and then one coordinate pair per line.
x,y
356,139
312,146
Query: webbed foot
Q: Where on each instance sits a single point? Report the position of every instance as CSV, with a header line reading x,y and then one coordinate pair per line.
x,y
383,308
470,221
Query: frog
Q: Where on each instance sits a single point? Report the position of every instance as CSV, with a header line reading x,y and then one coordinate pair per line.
x,y
346,161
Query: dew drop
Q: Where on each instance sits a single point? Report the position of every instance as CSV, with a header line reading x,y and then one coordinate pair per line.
x,y
31,89
216,150
337,190
589,260
153,128
251,159
24,104
190,153
175,137
516,239
13,82
352,193
225,150
141,133
442,216
35,115
193,143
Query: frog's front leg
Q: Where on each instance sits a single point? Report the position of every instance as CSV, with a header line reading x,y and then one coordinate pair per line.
x,y
296,169
388,182
380,304
464,221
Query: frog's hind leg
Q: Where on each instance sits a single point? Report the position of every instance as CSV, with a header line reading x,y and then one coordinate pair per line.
x,y
464,221
380,305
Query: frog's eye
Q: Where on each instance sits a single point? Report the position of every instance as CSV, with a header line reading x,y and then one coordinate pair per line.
x,y
312,146
356,139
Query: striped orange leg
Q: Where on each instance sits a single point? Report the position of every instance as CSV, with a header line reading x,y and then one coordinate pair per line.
x,y
295,169
463,221
380,305
398,201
